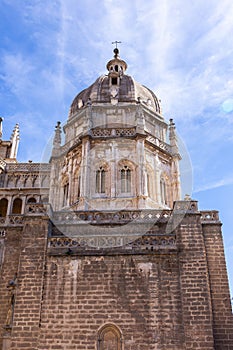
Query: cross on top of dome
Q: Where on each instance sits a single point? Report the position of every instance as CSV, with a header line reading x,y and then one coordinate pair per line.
x,y
116,51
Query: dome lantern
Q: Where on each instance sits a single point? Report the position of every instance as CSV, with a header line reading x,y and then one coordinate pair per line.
x,y
116,66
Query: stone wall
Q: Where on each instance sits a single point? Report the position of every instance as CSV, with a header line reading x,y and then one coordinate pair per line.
x,y
27,310
138,294
11,242
166,290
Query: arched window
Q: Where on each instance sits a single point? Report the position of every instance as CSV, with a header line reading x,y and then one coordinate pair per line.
x,y
65,194
125,179
31,200
100,180
110,338
3,207
163,191
17,206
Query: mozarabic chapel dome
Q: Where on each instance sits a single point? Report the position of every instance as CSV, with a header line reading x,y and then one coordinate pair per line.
x,y
118,85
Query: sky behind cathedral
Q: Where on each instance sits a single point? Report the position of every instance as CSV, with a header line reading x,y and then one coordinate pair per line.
x,y
182,50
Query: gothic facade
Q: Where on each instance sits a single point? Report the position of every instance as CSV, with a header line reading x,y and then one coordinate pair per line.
x,y
97,249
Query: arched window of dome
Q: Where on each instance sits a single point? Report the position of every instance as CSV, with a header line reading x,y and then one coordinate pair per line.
x,y
100,180
126,178
3,207
110,337
163,191
17,206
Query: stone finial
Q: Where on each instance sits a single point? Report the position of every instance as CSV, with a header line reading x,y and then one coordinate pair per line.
x,y
57,136
14,142
57,139
187,197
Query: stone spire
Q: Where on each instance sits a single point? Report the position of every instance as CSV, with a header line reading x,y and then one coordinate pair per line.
x,y
175,169
173,138
57,139
14,142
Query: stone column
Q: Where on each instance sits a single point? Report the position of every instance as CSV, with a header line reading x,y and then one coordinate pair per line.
x,y
140,159
157,180
113,172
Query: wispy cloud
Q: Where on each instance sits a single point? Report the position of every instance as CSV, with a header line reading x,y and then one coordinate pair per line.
x,y
219,183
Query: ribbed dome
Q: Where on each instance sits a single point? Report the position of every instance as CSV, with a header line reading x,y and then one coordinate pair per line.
x,y
114,88
128,91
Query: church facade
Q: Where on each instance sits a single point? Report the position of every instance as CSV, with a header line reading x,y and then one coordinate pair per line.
x,y
97,249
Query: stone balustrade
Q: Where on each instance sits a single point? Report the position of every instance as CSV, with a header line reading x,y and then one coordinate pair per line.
x,y
209,216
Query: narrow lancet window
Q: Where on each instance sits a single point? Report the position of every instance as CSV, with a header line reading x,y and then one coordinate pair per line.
x,y
78,187
125,179
163,191
65,194
100,180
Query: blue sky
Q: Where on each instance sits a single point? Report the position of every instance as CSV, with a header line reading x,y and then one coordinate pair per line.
x,y
50,50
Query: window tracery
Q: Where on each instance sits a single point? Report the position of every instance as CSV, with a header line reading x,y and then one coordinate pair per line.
x,y
126,178
100,184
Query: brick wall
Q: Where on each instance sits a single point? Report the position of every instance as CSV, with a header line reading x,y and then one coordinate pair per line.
x,y
194,285
8,270
30,284
220,296
140,294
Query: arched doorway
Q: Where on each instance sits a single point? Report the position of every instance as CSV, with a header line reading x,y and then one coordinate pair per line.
x,y
110,338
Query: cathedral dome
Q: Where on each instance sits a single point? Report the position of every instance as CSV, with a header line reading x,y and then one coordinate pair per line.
x,y
115,87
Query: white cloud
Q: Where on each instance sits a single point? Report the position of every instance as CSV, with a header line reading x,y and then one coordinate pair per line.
x,y
219,183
